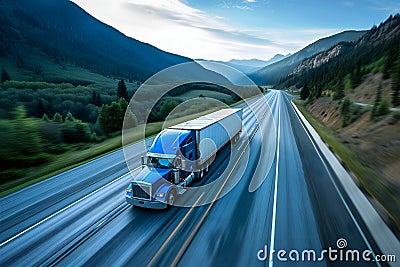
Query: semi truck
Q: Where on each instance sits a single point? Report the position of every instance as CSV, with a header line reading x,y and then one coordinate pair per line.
x,y
181,154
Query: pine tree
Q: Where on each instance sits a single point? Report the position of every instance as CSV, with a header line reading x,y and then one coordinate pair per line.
x,y
384,107
391,59
98,100
396,81
57,118
339,90
45,118
94,95
5,76
346,112
122,91
69,117
378,99
356,76
305,92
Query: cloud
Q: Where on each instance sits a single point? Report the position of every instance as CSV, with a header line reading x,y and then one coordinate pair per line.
x,y
250,1
242,7
176,27
389,6
348,4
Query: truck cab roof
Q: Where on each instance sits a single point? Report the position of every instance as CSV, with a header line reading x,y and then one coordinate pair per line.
x,y
168,141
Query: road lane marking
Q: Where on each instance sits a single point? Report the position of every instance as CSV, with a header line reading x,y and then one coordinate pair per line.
x,y
338,191
198,225
272,240
65,208
177,258
151,263
189,239
244,141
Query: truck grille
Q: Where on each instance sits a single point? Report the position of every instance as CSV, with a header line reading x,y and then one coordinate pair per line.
x,y
141,191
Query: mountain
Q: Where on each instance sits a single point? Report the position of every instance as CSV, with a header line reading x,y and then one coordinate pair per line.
x,y
256,63
273,73
377,36
248,65
59,31
327,68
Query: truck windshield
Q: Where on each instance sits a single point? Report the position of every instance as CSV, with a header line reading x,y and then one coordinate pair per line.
x,y
161,162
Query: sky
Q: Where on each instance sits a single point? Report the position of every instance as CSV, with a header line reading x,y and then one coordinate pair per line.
x,y
237,29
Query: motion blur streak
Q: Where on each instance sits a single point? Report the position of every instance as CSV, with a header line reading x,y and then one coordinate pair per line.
x,y
103,230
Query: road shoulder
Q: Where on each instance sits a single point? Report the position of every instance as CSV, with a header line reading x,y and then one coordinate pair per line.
x,y
385,239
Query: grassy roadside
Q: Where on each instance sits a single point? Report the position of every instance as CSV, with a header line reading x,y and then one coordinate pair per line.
x,y
72,159
377,187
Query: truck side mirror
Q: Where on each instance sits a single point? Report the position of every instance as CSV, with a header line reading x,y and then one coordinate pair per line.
x,y
143,160
176,175
178,162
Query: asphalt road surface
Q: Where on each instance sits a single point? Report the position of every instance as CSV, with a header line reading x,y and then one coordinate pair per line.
x,y
80,217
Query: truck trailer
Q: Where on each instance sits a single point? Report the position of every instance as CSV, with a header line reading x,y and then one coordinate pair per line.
x,y
180,154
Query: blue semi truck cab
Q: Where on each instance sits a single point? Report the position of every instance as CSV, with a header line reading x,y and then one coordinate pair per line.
x,y
179,155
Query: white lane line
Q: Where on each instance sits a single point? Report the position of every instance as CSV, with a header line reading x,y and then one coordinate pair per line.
x,y
153,260
338,191
272,241
65,208
241,145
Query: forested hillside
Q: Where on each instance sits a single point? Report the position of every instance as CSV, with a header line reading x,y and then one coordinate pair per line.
x,y
67,34
346,65
275,73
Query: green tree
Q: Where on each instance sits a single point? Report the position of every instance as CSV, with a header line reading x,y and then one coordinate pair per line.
x,y
122,91
166,108
69,117
45,118
356,76
21,142
111,117
305,92
96,99
339,90
5,76
396,81
123,103
346,112
391,58
75,131
51,133
57,118
384,107
131,120
378,99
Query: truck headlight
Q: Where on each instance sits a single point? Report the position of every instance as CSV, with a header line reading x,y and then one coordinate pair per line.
x,y
160,195
128,190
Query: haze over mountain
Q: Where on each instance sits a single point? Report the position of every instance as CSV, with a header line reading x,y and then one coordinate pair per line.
x,y
273,73
62,32
249,65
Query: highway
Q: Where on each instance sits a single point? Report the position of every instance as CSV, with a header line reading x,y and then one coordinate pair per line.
x,y
80,217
